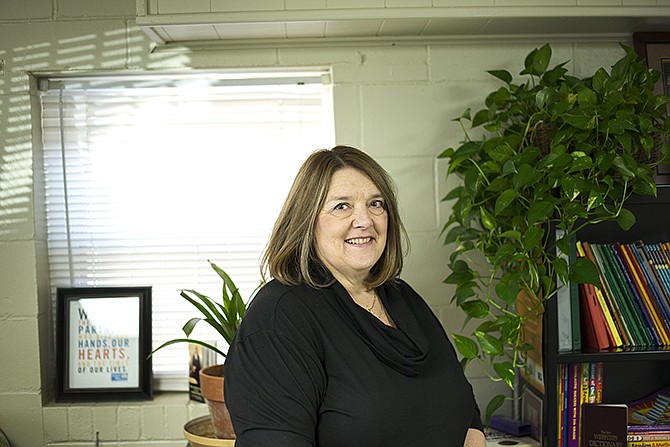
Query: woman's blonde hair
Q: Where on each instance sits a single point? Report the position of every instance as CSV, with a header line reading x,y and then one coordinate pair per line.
x,y
290,256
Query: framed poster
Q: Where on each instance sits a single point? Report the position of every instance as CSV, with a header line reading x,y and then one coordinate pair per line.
x,y
655,49
103,340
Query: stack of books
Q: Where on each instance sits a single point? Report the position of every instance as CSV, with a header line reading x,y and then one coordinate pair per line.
x,y
584,420
579,384
631,308
648,436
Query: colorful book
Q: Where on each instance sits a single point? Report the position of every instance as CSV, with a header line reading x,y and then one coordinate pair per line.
x,y
592,383
600,371
653,409
617,329
658,274
649,443
633,313
641,287
625,311
646,325
653,280
596,331
604,425
574,385
648,433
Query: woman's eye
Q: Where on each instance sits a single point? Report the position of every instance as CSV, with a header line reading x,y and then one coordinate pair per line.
x,y
377,204
341,207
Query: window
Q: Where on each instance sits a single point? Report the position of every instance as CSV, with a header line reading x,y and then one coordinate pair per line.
x,y
148,177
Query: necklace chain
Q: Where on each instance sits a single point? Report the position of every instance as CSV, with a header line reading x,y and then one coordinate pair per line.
x,y
372,306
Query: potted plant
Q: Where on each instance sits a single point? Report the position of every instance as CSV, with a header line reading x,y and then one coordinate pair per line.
x,y
559,152
225,317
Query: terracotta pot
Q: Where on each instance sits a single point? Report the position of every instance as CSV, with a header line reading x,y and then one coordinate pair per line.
x,y
211,384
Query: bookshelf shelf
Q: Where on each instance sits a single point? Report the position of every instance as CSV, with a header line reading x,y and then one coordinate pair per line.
x,y
613,356
628,374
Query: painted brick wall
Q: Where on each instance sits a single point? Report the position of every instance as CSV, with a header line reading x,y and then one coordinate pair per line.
x,y
396,102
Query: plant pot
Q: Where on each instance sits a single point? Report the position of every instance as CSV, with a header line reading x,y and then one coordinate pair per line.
x,y
200,433
211,384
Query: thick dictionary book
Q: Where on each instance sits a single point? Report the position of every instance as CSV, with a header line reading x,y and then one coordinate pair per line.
x,y
604,425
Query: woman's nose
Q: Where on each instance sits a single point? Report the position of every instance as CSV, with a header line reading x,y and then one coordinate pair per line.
x,y
361,217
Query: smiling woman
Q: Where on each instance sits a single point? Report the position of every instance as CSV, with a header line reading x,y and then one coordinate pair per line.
x,y
337,350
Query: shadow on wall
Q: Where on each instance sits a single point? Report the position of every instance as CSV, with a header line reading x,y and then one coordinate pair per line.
x,y
113,49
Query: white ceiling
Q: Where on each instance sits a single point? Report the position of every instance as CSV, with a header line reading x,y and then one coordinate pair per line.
x,y
404,24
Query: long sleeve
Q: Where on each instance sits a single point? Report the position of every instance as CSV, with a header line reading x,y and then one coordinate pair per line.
x,y
274,379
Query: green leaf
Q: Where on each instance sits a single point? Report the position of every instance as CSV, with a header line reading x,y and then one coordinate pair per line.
x,y
532,239
527,176
584,271
504,200
464,291
487,218
599,79
480,118
587,97
503,75
466,346
580,121
626,219
537,61
622,166
507,289
561,269
493,405
460,273
580,162
539,211
505,371
490,345
455,193
475,308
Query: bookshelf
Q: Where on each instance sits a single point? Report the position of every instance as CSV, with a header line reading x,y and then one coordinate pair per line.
x,y
630,374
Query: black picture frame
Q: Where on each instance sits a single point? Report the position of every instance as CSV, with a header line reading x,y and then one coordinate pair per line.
x,y
103,342
654,48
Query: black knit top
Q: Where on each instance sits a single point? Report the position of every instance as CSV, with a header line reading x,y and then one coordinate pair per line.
x,y
309,367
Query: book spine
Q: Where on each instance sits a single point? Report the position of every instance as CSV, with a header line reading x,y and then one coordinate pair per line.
x,y
643,289
646,325
574,370
649,443
600,372
564,305
632,312
592,383
654,282
560,401
566,403
660,268
651,436
616,330
615,295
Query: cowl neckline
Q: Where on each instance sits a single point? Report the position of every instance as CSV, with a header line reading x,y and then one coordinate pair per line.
x,y
403,348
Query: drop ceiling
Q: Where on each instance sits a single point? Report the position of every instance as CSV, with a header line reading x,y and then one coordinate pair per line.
x,y
399,24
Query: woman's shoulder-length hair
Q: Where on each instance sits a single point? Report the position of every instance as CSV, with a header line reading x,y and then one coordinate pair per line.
x,y
290,256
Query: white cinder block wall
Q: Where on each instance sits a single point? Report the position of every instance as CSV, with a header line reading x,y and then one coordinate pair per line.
x,y
396,102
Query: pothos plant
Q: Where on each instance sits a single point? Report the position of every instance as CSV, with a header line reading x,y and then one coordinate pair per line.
x,y
555,152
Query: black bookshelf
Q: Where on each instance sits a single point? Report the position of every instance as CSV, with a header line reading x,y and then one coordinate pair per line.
x,y
628,374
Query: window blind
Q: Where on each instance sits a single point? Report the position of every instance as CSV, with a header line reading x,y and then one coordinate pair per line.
x,y
149,177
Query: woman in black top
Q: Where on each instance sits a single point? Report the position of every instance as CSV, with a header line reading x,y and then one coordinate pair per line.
x,y
336,350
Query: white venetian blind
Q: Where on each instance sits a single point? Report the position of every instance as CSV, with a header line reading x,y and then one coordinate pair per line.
x,y
148,177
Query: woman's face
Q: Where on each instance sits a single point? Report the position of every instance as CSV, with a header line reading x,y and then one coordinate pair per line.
x,y
351,228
